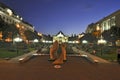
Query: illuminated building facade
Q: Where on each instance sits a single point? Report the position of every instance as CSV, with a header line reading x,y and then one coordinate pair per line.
x,y
102,28
112,20
10,17
60,37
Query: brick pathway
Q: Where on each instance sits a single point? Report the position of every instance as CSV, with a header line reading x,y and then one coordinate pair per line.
x,y
76,68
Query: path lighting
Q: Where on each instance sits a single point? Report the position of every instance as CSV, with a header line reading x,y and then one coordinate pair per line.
x,y
35,41
118,43
84,41
17,40
102,41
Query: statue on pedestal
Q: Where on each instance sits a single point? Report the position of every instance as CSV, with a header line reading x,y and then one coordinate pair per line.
x,y
58,53
53,50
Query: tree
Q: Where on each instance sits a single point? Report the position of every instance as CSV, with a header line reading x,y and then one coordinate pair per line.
x,y
115,31
89,37
31,35
11,31
3,25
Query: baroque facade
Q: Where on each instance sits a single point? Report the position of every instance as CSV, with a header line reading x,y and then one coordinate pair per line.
x,y
60,37
106,23
102,28
11,18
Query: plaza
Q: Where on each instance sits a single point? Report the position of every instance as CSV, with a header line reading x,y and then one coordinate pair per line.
x,y
37,66
28,52
75,68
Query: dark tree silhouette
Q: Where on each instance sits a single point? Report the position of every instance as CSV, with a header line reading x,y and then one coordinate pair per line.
x,y
31,35
11,31
89,37
115,31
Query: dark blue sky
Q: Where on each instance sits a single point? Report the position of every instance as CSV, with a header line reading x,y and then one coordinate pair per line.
x,y
69,16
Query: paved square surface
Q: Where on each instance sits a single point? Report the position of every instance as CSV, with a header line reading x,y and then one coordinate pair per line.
x,y
76,68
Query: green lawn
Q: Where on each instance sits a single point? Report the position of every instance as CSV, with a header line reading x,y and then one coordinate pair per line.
x,y
105,52
110,57
108,53
6,53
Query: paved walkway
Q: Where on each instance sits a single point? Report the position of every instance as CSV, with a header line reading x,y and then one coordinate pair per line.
x,y
16,59
95,58
89,56
76,68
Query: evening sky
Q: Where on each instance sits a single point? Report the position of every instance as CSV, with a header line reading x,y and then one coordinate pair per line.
x,y
68,16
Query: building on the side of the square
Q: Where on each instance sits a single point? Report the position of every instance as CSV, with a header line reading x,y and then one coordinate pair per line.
x,y
9,17
103,28
106,23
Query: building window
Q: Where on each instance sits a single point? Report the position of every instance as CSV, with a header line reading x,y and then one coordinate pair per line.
x,y
107,24
112,21
104,26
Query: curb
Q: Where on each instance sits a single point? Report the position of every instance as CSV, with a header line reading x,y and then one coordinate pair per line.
x,y
25,59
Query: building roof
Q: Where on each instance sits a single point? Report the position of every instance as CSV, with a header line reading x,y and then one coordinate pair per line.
x,y
60,32
4,6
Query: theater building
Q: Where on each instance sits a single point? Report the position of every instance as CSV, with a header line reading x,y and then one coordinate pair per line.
x,y
60,37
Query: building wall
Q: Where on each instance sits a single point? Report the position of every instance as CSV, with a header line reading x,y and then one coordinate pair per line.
x,y
9,17
106,23
118,20
60,37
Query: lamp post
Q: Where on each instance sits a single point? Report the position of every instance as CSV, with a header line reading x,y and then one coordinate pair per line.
x,y
17,40
101,42
35,41
85,42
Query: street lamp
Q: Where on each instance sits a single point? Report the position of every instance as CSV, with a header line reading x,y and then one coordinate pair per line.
x,y
17,40
35,41
101,42
85,42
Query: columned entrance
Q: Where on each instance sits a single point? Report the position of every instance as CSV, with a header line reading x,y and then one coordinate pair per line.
x,y
60,37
